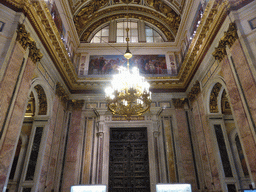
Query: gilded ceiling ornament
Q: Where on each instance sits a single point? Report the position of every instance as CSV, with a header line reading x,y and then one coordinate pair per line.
x,y
179,103
42,100
214,98
126,1
195,90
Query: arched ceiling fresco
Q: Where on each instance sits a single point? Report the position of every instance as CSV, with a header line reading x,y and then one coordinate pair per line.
x,y
88,15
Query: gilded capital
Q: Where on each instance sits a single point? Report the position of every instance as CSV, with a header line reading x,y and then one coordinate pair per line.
x,y
179,103
76,104
34,53
195,90
61,93
23,37
228,39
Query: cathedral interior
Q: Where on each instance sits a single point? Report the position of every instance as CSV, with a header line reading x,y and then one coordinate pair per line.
x,y
57,129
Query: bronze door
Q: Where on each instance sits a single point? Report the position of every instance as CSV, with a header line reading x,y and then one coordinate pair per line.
x,y
128,161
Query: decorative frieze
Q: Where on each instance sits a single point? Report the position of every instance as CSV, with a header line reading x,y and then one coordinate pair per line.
x,y
179,103
61,93
195,90
230,36
23,37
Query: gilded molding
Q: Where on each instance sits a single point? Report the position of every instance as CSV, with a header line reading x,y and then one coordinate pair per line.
x,y
61,93
195,90
230,36
42,100
179,103
76,104
214,98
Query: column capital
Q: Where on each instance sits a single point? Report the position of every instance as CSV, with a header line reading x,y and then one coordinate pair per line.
x,y
179,103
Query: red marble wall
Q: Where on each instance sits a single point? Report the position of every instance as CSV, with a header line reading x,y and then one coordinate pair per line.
x,y
14,124
49,173
209,169
242,119
187,163
8,82
245,76
72,161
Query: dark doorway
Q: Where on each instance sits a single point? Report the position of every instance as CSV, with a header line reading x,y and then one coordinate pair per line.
x,y
128,161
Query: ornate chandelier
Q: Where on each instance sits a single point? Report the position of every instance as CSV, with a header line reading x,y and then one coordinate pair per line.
x,y
129,93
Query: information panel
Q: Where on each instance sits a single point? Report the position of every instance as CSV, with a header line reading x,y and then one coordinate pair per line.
x,y
89,188
173,188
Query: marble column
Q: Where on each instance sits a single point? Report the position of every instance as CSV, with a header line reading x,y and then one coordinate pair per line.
x,y
242,119
71,173
13,127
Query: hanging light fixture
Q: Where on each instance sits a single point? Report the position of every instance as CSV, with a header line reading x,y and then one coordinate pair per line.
x,y
129,93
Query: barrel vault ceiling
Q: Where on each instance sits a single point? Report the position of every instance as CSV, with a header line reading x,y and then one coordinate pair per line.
x,y
168,15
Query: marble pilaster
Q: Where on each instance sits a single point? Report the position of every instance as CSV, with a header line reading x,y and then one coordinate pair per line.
x,y
245,76
48,176
187,165
244,129
7,85
208,170
14,124
71,171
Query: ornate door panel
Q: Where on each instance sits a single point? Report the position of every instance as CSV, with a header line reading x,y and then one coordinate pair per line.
x,y
128,161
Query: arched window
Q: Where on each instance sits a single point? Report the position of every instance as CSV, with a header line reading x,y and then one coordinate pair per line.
x,y
115,32
152,36
101,36
122,34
